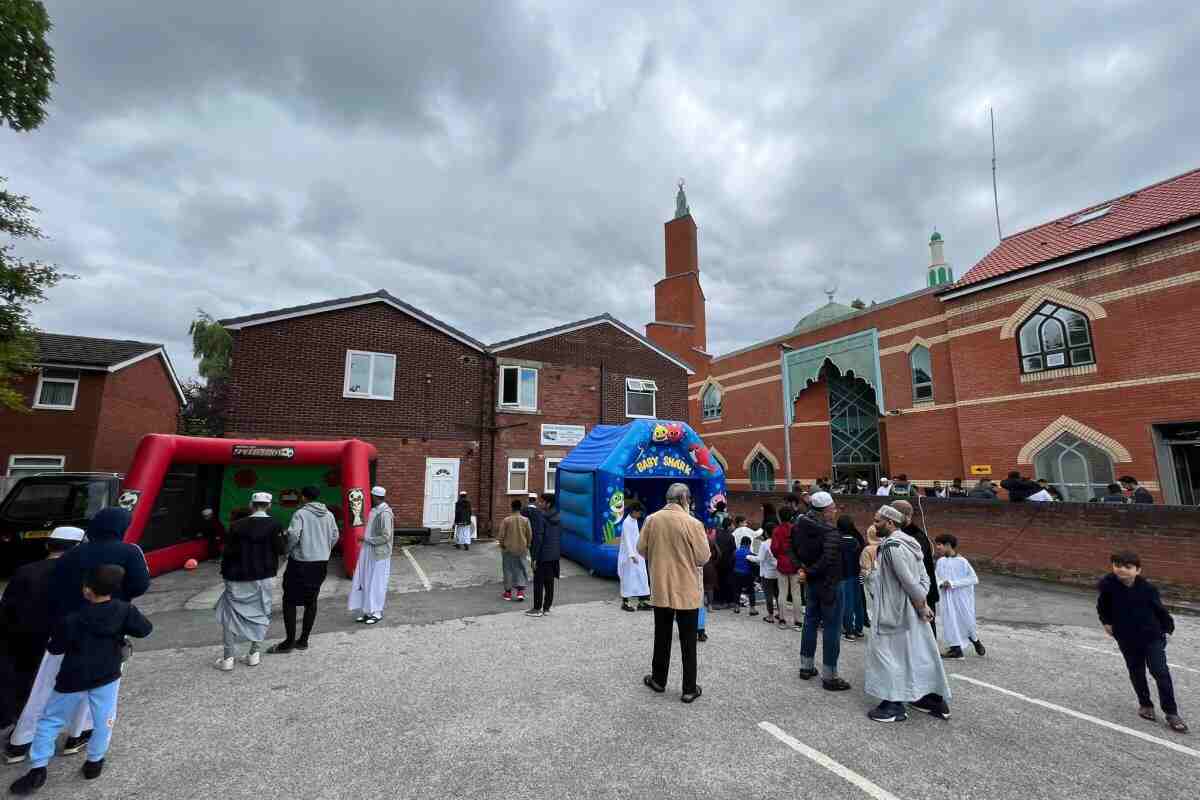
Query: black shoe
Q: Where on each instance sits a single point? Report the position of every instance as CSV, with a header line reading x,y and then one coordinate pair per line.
x,y
301,644
466,547
849,637
645,607
690,697
835,685
887,712
753,613
953,652
649,681
458,547
74,744
30,782
281,648
701,637
16,753
932,705
92,769
627,607
807,674
979,648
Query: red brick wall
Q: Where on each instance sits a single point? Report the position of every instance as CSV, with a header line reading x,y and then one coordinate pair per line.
x,y
42,432
1072,541
138,400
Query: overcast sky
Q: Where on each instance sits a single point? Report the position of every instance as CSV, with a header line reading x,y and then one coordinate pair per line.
x,y
507,167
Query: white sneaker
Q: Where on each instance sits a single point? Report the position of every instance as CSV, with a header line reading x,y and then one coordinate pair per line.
x,y
252,659
224,664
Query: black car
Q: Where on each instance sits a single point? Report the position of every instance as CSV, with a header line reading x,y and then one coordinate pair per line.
x,y
37,504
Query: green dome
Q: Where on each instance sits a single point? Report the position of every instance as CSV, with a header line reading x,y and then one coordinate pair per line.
x,y
830,312
937,237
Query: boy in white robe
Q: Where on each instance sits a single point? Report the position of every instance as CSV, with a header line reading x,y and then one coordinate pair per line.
x,y
369,590
957,581
631,567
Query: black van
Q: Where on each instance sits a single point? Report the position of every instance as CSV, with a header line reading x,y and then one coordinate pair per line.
x,y
37,504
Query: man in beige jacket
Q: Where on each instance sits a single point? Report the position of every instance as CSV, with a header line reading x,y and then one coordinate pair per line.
x,y
675,548
514,537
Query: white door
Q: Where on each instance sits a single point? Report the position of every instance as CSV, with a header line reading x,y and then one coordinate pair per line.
x,y
441,492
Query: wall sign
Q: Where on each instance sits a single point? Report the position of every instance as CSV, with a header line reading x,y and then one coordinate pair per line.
x,y
563,435
264,451
981,469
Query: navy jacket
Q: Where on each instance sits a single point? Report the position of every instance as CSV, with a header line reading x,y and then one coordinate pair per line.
x,y
103,546
1136,612
547,546
25,608
252,549
90,642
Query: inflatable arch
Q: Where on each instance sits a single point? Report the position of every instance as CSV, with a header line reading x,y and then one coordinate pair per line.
x,y
612,463
151,478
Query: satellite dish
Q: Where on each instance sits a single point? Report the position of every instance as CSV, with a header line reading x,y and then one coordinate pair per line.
x,y
831,288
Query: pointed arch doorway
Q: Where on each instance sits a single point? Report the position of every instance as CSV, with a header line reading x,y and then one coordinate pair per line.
x,y
853,427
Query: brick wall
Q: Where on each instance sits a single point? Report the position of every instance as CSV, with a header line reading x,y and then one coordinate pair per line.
x,y
138,400
1071,541
45,432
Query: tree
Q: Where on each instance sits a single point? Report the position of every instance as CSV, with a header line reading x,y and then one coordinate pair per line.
x,y
207,404
212,344
26,63
858,305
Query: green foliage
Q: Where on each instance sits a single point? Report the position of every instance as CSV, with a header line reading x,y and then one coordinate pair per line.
x,y
26,63
204,408
212,344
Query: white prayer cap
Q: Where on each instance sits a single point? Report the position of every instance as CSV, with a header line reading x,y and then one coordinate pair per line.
x,y
887,512
462,494
884,480
260,497
379,491
820,500
67,533
533,496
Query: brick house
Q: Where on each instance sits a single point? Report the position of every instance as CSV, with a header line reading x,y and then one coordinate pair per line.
x,y
1065,353
90,402
446,412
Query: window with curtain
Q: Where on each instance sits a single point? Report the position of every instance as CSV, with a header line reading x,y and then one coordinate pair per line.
x,y
921,364
57,388
711,403
1079,470
370,375
1055,337
518,388
762,474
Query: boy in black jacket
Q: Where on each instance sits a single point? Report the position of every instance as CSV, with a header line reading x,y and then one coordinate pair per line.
x,y
1133,614
90,641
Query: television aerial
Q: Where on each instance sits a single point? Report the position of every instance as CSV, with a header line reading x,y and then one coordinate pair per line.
x,y
831,288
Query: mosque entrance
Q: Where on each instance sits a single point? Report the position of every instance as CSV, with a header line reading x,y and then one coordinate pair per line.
x,y
853,428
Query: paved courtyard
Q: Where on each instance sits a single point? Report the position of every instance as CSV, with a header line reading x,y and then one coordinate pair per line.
x,y
458,694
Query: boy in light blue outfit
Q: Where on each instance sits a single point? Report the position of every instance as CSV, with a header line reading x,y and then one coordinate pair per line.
x,y
91,641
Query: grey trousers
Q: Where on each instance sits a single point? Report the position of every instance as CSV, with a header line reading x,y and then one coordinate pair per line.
x,y
515,575
233,643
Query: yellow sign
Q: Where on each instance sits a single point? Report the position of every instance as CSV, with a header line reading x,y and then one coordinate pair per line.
x,y
35,535
981,469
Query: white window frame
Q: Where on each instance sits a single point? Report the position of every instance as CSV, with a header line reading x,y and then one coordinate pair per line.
x,y
368,395
642,386
524,470
62,463
517,405
37,397
546,487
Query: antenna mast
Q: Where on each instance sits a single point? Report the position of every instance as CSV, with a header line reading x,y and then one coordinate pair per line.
x,y
995,193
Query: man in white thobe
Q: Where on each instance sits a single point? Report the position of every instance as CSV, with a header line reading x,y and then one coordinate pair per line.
x,y
902,662
631,567
885,488
957,580
369,591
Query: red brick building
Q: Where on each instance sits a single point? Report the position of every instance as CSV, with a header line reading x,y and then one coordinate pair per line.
x,y
90,402
1065,353
446,412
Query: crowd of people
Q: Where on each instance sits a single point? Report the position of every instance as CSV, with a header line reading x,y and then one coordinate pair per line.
x,y
1018,487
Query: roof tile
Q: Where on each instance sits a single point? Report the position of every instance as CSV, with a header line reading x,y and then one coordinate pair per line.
x,y
58,348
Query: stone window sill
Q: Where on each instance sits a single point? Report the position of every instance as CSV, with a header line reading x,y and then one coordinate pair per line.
x,y
1052,374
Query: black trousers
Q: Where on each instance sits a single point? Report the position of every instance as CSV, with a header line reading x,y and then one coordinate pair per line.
x,y
745,584
1139,656
665,620
771,590
543,585
301,586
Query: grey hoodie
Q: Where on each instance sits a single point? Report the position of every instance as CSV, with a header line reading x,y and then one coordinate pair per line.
x,y
312,533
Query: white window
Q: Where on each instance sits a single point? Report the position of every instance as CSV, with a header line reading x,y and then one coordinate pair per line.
x,y
518,476
640,398
20,466
711,403
370,375
518,388
57,389
551,474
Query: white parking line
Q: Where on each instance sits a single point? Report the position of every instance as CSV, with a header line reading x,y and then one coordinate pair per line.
x,y
872,789
1079,715
420,572
1118,655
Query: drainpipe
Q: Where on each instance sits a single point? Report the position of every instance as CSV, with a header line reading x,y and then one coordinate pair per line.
x,y
787,413
603,381
484,400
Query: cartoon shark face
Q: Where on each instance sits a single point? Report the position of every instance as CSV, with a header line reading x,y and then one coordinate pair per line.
x,y
660,433
129,499
712,503
616,504
674,432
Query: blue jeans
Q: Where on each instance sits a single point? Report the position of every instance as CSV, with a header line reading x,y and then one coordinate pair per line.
x,y
703,617
830,616
60,710
852,606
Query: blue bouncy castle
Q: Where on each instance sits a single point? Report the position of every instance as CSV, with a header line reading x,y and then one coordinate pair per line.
x,y
615,463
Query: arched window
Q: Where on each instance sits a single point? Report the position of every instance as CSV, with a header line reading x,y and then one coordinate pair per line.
x,y
1081,471
1055,337
921,364
762,474
711,403
941,275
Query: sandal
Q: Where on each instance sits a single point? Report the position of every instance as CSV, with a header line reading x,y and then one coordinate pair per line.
x,y
1176,724
372,620
1146,713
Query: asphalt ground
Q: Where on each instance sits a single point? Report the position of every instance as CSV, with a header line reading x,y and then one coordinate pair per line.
x,y
458,694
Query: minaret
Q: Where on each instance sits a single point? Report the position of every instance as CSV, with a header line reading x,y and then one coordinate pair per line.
x,y
679,324
940,273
